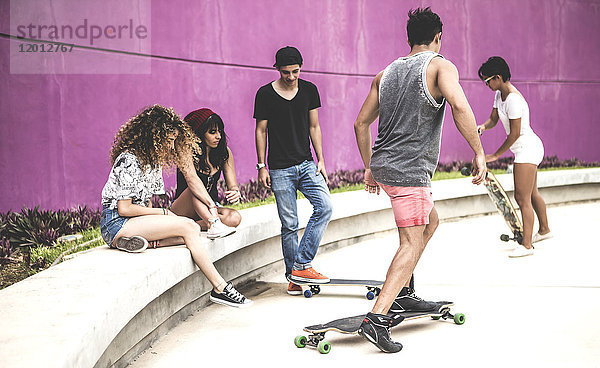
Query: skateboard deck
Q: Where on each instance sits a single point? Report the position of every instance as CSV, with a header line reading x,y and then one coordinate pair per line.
x,y
351,325
373,286
503,204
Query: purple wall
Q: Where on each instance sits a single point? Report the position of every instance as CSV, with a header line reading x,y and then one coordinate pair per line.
x,y
56,129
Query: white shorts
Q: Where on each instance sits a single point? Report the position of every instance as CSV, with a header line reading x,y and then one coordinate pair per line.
x,y
528,149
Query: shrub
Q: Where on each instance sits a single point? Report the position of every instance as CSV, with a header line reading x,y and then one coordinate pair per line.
x,y
164,200
32,228
5,248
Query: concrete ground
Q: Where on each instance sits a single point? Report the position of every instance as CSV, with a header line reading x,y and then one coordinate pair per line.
x,y
537,311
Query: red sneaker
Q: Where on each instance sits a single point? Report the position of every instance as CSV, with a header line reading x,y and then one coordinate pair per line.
x,y
308,275
294,289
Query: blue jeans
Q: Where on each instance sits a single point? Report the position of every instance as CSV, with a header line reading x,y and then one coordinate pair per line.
x,y
284,183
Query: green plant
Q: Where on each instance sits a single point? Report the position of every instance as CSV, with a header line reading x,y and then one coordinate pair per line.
x,y
6,248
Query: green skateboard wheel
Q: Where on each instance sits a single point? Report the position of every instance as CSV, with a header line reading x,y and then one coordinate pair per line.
x,y
324,347
300,341
459,318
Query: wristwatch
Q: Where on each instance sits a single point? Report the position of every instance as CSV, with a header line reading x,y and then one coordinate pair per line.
x,y
260,166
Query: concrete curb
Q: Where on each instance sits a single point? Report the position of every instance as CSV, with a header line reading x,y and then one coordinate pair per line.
x,y
105,307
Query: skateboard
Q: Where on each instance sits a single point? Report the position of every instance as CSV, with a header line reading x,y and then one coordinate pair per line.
x,y
373,286
350,325
503,205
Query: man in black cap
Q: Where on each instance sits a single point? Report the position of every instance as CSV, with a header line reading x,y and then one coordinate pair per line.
x,y
286,115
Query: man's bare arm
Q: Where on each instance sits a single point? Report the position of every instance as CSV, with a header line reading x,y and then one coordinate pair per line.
x,y
367,115
260,135
447,82
317,142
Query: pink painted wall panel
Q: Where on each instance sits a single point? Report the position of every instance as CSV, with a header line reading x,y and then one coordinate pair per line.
x,y
56,130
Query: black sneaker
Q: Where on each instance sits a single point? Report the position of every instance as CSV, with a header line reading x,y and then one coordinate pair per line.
x,y
412,303
230,297
376,329
135,244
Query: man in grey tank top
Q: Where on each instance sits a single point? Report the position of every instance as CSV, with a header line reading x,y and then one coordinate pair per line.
x,y
409,98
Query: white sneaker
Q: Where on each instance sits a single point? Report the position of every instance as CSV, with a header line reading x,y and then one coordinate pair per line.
x,y
521,252
537,237
218,229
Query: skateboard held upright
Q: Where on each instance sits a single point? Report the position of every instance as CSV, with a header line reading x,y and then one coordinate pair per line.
x,y
503,205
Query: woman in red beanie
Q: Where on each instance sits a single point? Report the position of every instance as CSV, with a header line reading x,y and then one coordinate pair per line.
x,y
149,141
216,158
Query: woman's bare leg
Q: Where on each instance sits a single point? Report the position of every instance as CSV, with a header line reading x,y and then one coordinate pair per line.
x,y
156,227
539,206
189,206
524,177
229,216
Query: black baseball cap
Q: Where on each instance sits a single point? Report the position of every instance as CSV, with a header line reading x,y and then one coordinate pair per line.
x,y
287,56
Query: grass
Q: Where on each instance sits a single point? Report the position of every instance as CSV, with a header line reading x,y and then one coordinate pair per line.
x,y
13,270
439,175
43,257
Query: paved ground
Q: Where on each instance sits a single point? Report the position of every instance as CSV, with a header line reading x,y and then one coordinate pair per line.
x,y
538,311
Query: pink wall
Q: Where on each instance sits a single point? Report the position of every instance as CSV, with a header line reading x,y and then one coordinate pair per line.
x,y
56,129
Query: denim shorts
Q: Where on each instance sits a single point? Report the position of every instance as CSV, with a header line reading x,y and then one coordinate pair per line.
x,y
110,224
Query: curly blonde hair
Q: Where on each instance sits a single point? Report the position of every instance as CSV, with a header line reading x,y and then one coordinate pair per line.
x,y
146,136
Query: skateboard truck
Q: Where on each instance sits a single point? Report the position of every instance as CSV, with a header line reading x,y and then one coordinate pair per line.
x,y
516,237
316,340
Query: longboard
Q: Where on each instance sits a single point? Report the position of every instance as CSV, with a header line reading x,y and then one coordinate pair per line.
x,y
351,325
503,204
373,286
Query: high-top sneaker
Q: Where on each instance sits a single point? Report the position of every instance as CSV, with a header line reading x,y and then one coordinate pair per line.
x,y
294,289
134,244
376,329
412,303
218,229
231,297
308,275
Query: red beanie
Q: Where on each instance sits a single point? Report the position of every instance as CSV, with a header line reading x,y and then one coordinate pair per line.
x,y
197,117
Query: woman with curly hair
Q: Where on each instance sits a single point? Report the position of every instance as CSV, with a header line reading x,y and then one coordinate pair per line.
x,y
151,140
215,158
511,108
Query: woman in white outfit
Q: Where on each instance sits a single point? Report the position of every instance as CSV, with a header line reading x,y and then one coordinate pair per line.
x,y
511,108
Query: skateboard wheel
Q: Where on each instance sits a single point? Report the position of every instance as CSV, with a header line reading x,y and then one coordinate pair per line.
x,y
300,341
324,347
504,237
307,293
370,295
459,318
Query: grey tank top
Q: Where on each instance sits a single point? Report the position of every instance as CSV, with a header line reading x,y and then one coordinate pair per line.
x,y
407,148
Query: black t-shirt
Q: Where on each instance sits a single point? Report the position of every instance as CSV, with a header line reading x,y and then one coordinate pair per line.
x,y
287,123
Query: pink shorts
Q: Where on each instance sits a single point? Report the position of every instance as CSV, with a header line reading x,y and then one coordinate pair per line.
x,y
411,205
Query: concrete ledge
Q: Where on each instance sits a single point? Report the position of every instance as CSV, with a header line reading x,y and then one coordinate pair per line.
x,y
104,307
